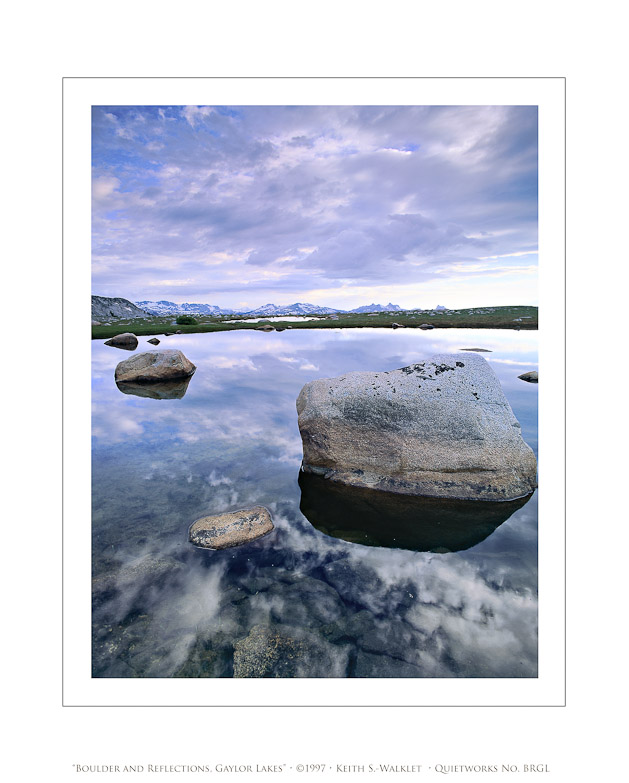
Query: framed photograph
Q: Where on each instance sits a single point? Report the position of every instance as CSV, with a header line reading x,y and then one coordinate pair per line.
x,y
308,460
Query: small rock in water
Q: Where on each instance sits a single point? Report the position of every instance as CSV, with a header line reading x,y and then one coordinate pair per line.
x,y
153,341
426,326
232,529
126,340
152,366
530,377
478,350
397,326
265,328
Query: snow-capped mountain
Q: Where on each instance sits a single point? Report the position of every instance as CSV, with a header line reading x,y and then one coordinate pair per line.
x,y
375,308
164,307
299,308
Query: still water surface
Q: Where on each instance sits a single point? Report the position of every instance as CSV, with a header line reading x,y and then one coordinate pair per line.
x,y
331,600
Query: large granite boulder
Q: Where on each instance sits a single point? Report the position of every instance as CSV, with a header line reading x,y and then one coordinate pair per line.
x,y
154,366
125,340
438,428
232,529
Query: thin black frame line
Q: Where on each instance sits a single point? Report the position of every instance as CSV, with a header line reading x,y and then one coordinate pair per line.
x,y
63,603
565,343
327,706
565,391
347,78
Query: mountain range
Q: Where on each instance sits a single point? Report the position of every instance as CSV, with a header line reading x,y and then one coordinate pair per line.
x,y
164,307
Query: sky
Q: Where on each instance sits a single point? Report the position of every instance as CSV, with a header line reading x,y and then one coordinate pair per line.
x,y
339,206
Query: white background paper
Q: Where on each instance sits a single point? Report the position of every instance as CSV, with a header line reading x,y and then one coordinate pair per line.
x,y
578,741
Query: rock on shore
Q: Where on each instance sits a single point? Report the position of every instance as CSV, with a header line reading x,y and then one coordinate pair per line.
x,y
438,428
152,366
232,529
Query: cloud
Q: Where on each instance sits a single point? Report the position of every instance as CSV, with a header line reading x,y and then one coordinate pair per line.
x,y
316,194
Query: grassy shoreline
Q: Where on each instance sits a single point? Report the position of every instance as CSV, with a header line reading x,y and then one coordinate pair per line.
x,y
508,317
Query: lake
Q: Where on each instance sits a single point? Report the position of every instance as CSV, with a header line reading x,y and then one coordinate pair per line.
x,y
326,594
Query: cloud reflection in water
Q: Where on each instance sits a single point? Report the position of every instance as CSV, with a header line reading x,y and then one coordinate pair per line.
x,y
163,608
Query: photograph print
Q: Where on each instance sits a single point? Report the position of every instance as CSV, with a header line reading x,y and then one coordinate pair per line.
x,y
314,391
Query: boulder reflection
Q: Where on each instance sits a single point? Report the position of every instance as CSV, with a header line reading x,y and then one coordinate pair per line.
x,y
164,390
385,519
123,347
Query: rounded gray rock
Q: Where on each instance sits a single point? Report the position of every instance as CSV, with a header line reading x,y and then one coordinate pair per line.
x,y
152,366
439,428
126,340
530,377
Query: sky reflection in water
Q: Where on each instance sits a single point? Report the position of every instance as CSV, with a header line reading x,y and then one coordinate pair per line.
x,y
324,605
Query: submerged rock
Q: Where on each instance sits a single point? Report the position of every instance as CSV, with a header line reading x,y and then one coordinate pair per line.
x,y
439,428
387,519
478,350
280,651
152,366
126,340
369,665
530,377
232,529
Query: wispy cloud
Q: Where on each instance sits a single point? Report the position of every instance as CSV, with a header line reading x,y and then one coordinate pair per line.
x,y
272,202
